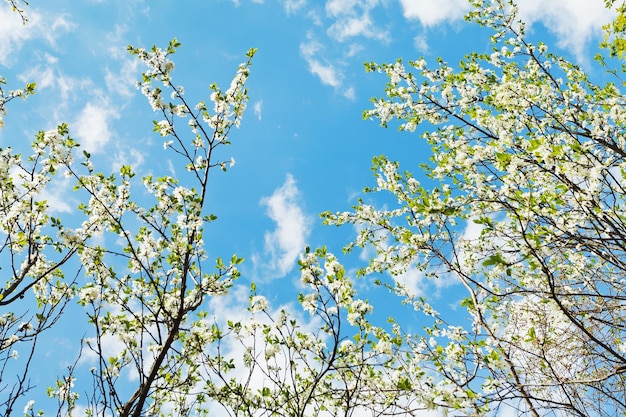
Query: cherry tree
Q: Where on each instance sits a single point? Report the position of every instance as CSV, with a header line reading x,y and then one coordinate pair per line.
x,y
527,215
152,305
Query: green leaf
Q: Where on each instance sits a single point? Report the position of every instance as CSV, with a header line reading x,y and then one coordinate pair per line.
x,y
404,384
531,335
503,158
494,260
126,171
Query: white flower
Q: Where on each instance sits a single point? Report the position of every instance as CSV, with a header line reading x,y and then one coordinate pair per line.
x,y
354,318
307,276
25,326
232,162
164,127
89,294
346,346
383,347
258,303
29,406
309,303
9,341
271,350
332,267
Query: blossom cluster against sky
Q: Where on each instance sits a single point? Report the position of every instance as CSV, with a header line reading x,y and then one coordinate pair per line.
x,y
303,147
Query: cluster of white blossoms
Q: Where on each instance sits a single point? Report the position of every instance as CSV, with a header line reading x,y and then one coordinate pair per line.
x,y
6,97
258,303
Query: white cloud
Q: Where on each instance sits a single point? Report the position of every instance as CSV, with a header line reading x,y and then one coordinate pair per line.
x,y
349,27
349,93
432,12
420,43
292,6
326,72
352,19
70,86
65,88
293,227
354,49
574,22
92,125
311,47
336,7
414,280
128,156
258,109
13,33
53,29
45,76
123,81
171,168
58,197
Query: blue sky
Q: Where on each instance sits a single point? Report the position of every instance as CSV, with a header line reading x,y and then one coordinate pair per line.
x,y
303,147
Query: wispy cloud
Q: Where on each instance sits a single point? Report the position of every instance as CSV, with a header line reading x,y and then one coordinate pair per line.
x,y
53,82
292,6
48,75
432,12
326,71
126,155
420,43
329,74
121,81
14,34
574,22
354,19
258,109
293,227
58,195
350,93
92,125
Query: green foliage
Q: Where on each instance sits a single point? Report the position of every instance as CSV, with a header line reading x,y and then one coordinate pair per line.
x,y
615,32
